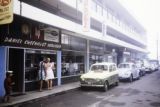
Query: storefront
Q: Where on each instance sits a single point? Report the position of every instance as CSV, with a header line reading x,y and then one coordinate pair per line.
x,y
73,57
96,50
24,44
100,52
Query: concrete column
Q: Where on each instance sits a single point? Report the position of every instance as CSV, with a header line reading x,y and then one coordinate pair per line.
x,y
3,53
87,57
59,68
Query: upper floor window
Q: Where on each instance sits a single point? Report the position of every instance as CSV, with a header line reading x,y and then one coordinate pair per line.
x,y
93,6
70,2
99,9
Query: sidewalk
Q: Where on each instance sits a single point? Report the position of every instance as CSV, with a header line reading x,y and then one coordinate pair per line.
x,y
34,95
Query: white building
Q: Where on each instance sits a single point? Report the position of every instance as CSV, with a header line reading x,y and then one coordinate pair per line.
x,y
72,31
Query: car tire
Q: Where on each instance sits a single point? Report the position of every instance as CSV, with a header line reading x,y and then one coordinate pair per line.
x,y
83,88
140,74
131,78
105,86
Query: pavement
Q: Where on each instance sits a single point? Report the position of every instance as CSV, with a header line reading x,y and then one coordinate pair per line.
x,y
37,95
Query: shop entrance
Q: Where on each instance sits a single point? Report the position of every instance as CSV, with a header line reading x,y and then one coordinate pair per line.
x,y
32,59
15,64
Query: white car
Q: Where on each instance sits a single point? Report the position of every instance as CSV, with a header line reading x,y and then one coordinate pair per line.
x,y
100,75
128,71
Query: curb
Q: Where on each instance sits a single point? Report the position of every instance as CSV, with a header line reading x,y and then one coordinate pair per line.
x,y
38,99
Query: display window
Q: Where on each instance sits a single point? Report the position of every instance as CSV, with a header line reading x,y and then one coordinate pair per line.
x,y
73,55
72,63
32,60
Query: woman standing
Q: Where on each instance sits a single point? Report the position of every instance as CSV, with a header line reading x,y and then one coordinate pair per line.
x,y
49,73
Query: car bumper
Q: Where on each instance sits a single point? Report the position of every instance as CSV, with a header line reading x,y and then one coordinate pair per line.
x,y
90,85
123,77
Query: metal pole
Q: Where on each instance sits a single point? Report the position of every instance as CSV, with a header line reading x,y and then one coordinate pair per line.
x,y
157,47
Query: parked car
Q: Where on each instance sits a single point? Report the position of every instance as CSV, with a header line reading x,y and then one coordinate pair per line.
x,y
153,67
100,75
128,71
148,67
141,67
154,64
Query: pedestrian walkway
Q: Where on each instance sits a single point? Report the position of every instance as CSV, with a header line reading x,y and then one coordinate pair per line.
x,y
34,95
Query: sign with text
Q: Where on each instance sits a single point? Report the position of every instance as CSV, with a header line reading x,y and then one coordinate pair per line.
x,y
51,34
27,43
86,15
6,11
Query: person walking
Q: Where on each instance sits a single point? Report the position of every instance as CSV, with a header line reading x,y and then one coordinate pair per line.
x,y
41,73
49,73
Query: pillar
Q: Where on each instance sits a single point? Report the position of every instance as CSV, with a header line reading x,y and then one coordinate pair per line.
x,y
3,53
59,68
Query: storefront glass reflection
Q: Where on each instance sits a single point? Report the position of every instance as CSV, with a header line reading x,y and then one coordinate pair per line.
x,y
32,59
72,63
73,55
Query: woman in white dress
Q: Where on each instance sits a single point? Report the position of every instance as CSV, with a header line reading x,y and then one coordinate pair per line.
x,y
49,73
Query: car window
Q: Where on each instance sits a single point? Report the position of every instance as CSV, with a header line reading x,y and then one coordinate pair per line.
x,y
123,66
110,68
99,68
105,67
114,67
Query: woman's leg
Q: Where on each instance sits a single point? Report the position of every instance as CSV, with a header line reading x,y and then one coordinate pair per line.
x,y
41,85
47,84
50,83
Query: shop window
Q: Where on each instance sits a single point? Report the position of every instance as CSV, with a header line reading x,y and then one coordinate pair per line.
x,y
95,58
32,60
73,43
72,63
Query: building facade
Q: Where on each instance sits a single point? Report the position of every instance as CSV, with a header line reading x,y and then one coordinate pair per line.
x,y
73,33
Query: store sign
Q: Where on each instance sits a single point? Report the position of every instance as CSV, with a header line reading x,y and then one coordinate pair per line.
x,y
86,15
6,11
27,43
51,34
126,53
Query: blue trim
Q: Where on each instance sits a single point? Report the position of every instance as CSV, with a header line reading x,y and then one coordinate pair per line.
x,y
59,53
2,69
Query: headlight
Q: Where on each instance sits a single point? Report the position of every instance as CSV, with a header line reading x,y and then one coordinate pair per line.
x,y
82,79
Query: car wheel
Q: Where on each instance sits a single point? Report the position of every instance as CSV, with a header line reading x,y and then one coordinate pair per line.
x,y
82,88
140,74
131,78
105,86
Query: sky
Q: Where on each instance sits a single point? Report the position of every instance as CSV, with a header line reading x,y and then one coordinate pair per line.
x,y
147,13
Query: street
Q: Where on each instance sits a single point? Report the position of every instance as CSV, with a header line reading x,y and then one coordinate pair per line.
x,y
140,93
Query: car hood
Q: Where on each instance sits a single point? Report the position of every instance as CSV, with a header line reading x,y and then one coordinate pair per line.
x,y
95,75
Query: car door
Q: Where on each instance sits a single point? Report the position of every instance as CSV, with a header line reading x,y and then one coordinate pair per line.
x,y
134,70
110,76
137,71
115,73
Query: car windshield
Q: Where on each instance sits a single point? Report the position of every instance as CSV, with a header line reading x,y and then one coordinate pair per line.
x,y
99,68
123,66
